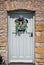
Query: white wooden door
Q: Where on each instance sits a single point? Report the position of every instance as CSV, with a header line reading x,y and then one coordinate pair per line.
x,y
21,48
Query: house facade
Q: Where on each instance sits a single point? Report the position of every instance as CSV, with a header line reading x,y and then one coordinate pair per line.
x,y
32,10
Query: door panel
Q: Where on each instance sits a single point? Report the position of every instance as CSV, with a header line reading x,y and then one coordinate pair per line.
x,y
21,48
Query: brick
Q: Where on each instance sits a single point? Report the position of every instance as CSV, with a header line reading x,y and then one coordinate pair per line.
x,y
40,61
39,27
3,43
25,5
39,45
39,50
3,47
4,51
38,33
39,39
4,54
39,56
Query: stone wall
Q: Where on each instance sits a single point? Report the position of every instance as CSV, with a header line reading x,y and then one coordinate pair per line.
x,y
31,5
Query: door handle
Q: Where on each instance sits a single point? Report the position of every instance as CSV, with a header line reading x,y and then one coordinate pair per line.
x,y
31,34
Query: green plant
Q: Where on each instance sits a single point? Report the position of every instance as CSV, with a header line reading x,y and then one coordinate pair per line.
x,y
21,25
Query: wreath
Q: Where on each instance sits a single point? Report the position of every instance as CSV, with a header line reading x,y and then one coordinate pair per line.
x,y
21,24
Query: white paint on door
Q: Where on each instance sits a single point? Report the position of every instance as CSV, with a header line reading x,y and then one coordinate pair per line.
x,y
21,48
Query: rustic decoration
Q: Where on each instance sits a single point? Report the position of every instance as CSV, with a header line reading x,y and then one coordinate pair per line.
x,y
21,24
